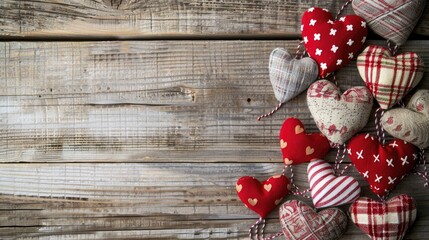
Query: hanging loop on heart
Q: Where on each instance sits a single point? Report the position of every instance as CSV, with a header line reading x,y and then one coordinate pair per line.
x,y
341,10
422,164
279,105
393,49
294,188
379,126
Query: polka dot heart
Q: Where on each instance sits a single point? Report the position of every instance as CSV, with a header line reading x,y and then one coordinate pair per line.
x,y
332,44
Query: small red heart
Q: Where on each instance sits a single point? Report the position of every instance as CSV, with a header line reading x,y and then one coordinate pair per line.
x,y
382,166
298,146
262,197
332,44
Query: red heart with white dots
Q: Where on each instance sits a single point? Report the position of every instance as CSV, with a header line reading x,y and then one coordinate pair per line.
x,y
262,197
332,44
383,167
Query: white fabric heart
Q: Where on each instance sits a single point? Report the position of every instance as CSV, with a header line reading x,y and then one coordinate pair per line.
x,y
337,116
289,76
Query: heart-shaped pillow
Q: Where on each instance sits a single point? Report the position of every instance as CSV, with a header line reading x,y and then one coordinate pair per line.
x,y
262,197
383,167
339,117
410,124
332,43
392,19
297,146
389,78
384,221
328,190
289,76
301,222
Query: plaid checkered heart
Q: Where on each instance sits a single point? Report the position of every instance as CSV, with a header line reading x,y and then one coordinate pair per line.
x,y
289,76
382,166
301,222
410,124
384,221
339,116
389,78
392,19
333,44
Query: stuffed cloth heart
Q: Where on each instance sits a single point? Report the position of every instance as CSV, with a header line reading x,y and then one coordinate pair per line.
x,y
337,116
332,43
327,189
382,166
384,221
410,124
389,78
297,146
392,19
262,197
301,222
289,76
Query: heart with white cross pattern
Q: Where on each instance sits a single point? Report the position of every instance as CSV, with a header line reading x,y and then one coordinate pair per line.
x,y
332,44
383,167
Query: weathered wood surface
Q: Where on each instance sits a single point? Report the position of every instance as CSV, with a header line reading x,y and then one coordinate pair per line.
x,y
147,139
159,18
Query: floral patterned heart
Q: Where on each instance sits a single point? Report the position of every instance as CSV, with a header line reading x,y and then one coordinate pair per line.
x,y
301,222
333,44
384,221
383,167
410,124
262,197
339,116
298,146
388,77
392,19
289,76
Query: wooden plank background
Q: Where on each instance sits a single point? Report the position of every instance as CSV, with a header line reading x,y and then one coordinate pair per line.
x,y
146,139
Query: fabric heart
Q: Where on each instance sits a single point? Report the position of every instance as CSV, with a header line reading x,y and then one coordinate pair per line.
x,y
392,19
301,222
262,197
384,221
382,166
332,43
327,189
410,124
337,116
297,146
389,78
289,76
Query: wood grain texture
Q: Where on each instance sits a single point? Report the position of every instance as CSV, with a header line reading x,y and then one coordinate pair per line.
x,y
158,18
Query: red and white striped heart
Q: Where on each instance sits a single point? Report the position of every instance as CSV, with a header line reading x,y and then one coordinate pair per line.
x,y
329,190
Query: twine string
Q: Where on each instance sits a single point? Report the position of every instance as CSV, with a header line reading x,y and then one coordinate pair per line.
x,y
270,113
379,126
342,9
393,49
253,230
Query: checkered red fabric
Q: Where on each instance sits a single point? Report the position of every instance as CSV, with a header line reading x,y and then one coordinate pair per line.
x,y
389,78
393,20
384,221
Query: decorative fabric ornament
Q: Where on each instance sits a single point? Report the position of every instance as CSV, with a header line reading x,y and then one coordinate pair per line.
x,y
333,44
410,124
389,78
339,117
262,197
301,222
328,190
392,19
298,146
289,76
384,221
383,167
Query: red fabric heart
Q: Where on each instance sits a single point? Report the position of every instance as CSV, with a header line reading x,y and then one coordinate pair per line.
x,y
262,197
332,43
384,221
382,166
297,146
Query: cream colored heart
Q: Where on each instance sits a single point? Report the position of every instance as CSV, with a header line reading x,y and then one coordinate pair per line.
x,y
267,187
298,129
287,161
283,144
309,150
252,201
238,187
